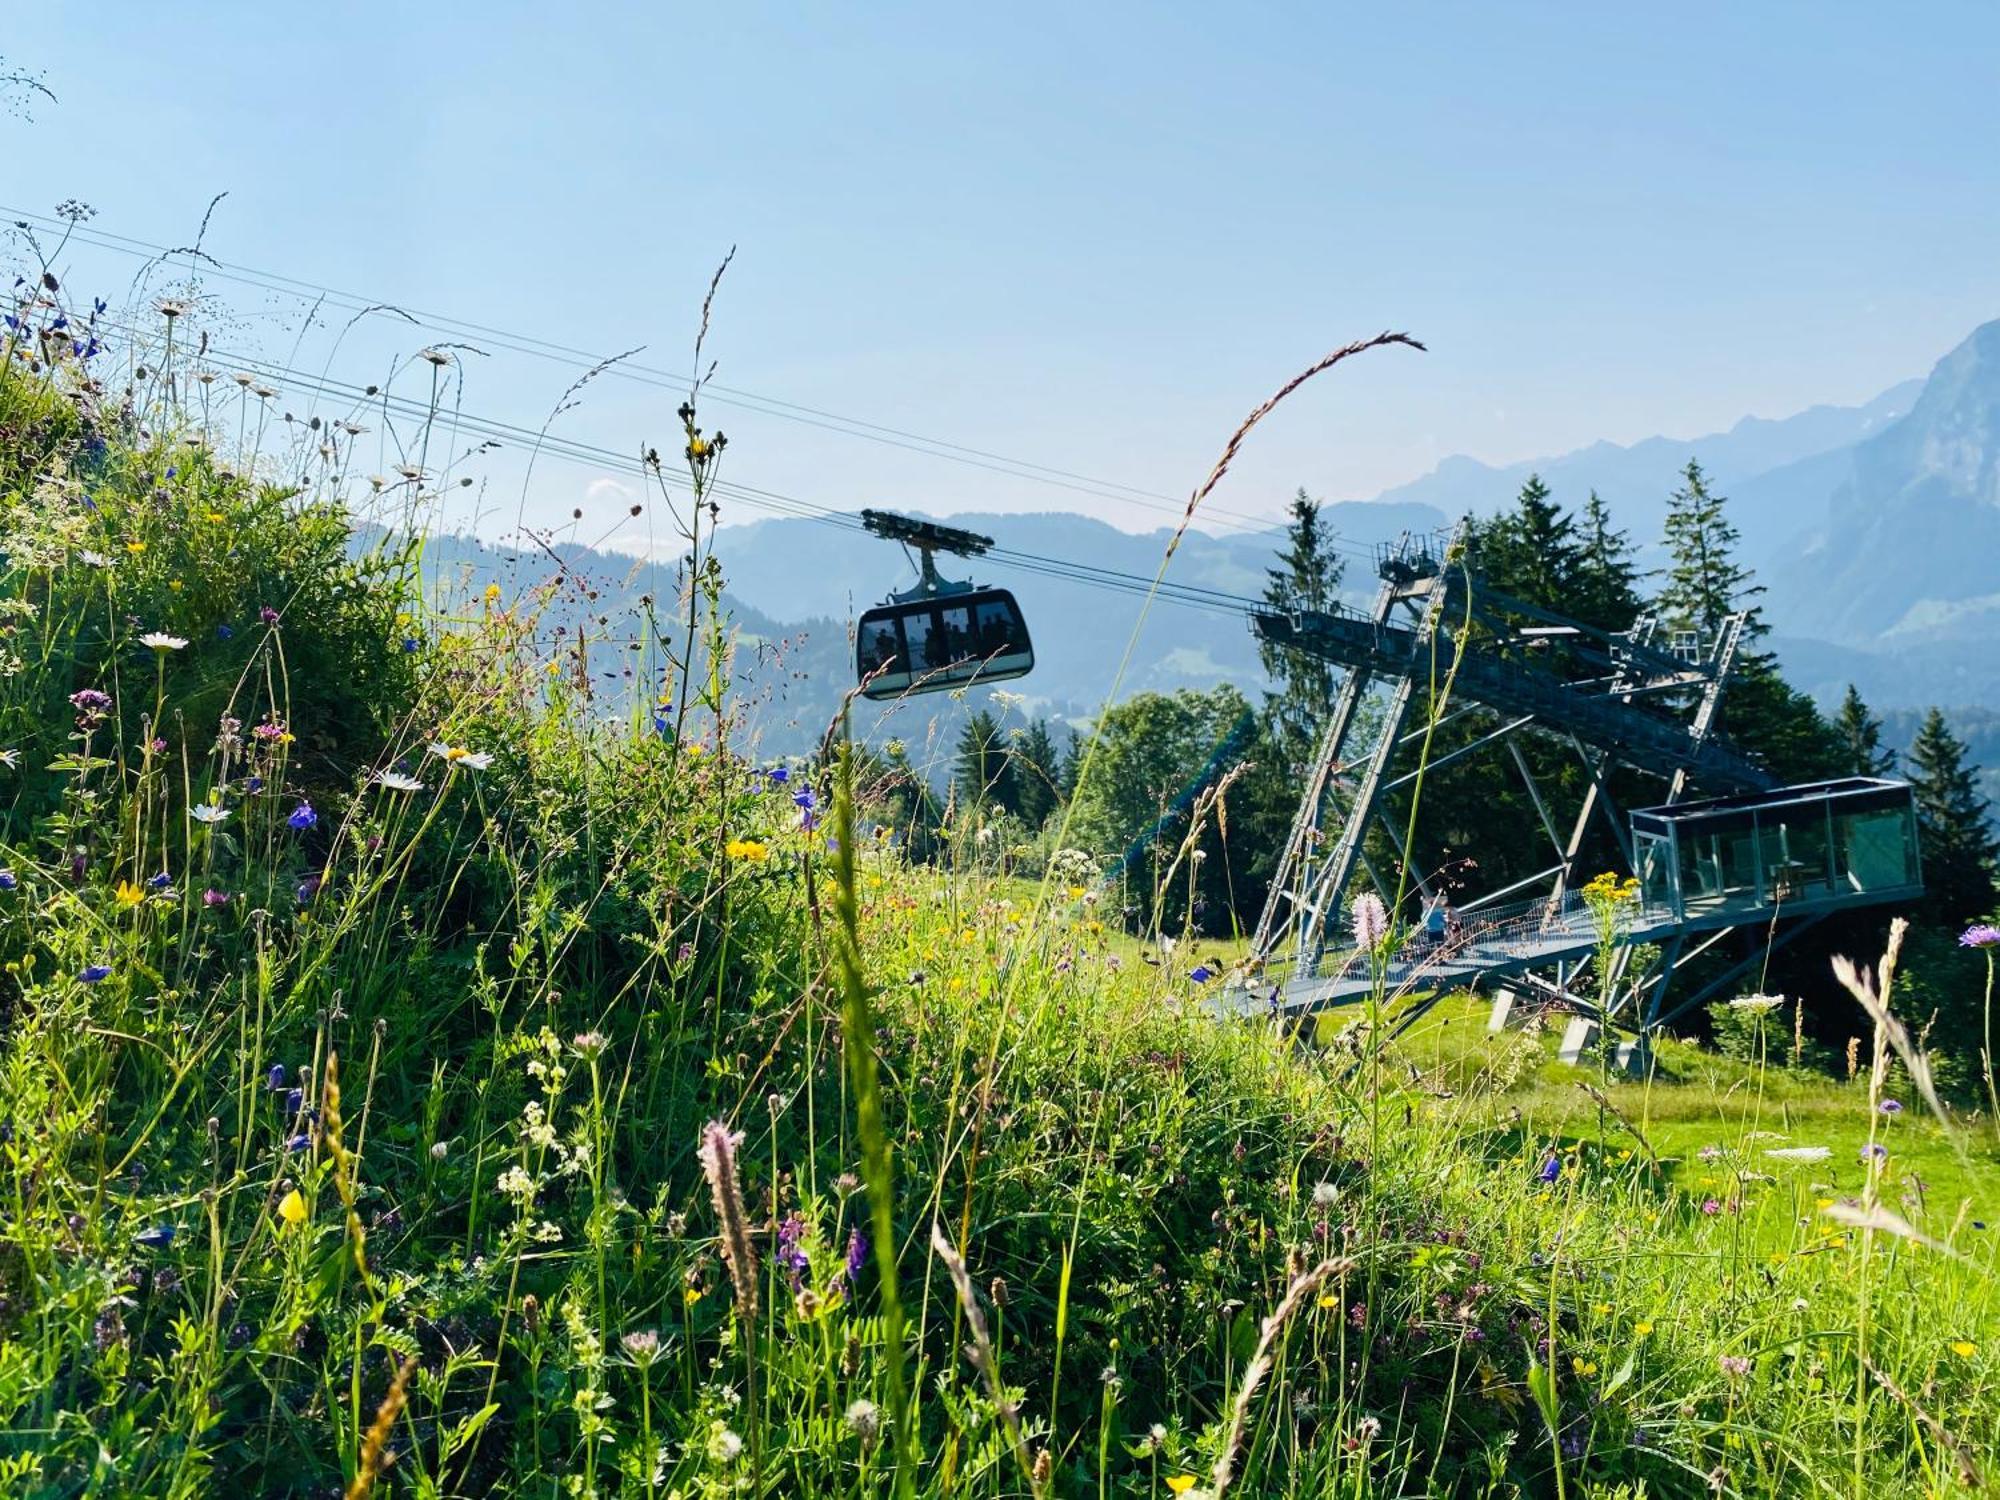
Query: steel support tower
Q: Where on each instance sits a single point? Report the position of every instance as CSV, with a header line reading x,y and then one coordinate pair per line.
x,y
1440,647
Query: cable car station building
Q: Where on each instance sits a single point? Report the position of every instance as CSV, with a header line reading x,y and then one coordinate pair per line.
x,y
1748,853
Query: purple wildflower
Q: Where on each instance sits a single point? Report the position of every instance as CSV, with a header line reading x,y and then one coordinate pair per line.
x,y
857,1254
275,1079
1201,973
779,774
161,881
8,880
223,632
1980,935
303,816
1711,1206
1874,1151
299,1142
157,1238
1551,1169
268,615
1891,1106
213,898
295,1100
94,974
791,1253
306,889
91,708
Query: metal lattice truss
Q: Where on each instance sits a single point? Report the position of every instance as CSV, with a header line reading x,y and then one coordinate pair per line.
x,y
1440,647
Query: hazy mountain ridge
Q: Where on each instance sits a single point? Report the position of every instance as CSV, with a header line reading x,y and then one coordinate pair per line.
x,y
1876,527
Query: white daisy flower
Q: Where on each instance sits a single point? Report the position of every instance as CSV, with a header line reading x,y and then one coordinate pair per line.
x,y
396,781
1799,1153
208,812
159,640
458,755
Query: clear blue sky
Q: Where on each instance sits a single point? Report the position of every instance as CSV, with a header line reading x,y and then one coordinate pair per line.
x,y
1092,235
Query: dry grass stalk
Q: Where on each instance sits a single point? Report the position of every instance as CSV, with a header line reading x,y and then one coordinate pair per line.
x,y
376,1443
1604,1103
343,1166
1968,1471
1872,989
1875,1216
1260,1366
718,1165
1235,443
988,1362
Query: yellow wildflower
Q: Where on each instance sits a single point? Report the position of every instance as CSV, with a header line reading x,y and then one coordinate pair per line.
x,y
129,894
748,849
292,1208
1641,1328
1583,1366
1180,1484
1964,1348
691,1296
135,546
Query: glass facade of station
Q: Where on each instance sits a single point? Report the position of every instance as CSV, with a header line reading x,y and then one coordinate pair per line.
x,y
1819,845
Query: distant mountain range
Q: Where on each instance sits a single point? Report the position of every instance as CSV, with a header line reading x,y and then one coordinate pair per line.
x,y
1876,529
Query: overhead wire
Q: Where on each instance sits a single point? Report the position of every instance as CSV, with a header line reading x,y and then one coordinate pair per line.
x,y
627,369
389,403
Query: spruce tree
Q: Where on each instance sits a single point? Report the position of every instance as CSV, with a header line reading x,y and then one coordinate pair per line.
x,y
1959,848
985,769
1705,584
1607,593
1533,551
1037,773
1307,578
1861,738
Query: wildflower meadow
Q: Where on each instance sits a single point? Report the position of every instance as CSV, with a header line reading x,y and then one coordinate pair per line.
x,y
425,1071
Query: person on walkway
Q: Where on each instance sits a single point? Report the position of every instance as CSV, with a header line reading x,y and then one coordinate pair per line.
x,y
1434,922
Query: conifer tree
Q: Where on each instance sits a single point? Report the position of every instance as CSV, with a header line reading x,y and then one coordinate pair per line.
x,y
1861,738
1959,848
1307,578
985,771
1705,584
1533,551
1607,593
1037,773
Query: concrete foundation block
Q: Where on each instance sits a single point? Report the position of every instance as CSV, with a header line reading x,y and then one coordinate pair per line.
x,y
1634,1056
1506,1005
1578,1037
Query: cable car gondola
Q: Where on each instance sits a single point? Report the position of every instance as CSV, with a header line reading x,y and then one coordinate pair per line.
x,y
941,634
